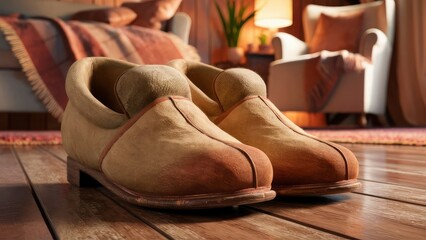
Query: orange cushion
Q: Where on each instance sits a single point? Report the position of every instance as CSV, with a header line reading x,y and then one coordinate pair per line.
x,y
335,33
118,16
152,12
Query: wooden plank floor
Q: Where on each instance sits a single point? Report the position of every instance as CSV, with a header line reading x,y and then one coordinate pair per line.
x,y
36,202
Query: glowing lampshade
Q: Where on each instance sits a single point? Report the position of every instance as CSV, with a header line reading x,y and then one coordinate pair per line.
x,y
273,13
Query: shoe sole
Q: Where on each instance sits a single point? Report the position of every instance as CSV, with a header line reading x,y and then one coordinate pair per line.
x,y
318,189
82,176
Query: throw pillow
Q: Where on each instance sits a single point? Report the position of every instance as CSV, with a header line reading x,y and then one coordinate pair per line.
x,y
335,33
116,17
151,13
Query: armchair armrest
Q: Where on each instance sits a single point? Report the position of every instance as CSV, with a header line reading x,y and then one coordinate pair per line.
x,y
373,42
376,46
287,46
180,25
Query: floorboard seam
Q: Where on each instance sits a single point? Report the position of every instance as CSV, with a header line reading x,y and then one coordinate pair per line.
x,y
119,204
53,154
389,183
300,222
392,159
390,199
166,235
36,199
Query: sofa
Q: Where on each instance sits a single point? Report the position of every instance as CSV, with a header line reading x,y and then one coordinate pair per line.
x,y
16,94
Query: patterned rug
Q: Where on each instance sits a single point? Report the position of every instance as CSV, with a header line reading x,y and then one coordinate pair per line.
x,y
395,136
30,137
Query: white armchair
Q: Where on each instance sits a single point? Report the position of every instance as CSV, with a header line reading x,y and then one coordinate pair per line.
x,y
356,92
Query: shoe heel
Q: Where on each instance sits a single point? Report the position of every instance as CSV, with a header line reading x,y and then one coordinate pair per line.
x,y
77,177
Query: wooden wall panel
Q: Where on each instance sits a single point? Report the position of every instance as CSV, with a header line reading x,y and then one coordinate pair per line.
x,y
28,121
203,15
189,7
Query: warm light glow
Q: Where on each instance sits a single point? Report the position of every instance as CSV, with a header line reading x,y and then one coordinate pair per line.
x,y
273,13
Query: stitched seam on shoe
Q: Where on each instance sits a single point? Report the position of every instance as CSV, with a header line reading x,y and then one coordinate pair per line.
x,y
222,116
126,127
116,94
246,154
215,92
306,135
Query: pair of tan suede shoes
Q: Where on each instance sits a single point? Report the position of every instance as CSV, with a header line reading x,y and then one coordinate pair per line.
x,y
189,135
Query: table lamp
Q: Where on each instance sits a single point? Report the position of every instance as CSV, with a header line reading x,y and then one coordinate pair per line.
x,y
273,14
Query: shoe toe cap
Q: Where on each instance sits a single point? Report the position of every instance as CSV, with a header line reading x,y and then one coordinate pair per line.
x,y
216,169
226,170
313,161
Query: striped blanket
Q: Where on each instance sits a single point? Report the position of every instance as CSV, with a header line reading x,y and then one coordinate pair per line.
x,y
323,73
46,48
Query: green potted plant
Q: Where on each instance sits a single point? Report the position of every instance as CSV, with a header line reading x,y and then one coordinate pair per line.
x,y
262,38
232,24
263,44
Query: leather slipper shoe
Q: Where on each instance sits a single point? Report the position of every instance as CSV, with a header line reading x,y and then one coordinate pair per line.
x,y
135,130
235,100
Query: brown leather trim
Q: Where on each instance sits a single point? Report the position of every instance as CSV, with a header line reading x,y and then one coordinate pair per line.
x,y
233,145
266,101
128,125
137,194
222,116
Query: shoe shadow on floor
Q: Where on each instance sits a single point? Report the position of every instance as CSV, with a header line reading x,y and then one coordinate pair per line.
x,y
235,213
311,201
63,201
